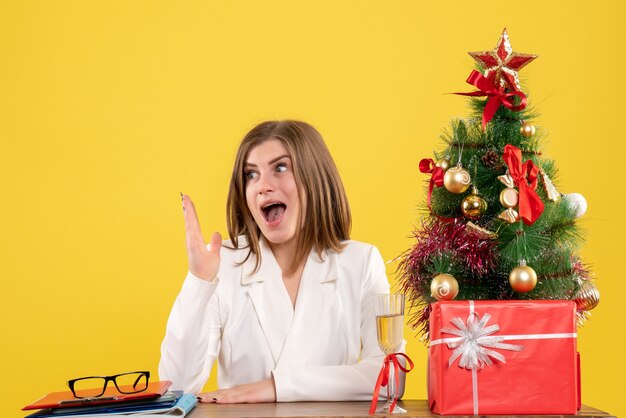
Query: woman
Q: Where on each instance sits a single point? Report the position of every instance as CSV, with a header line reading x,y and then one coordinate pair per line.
x,y
286,306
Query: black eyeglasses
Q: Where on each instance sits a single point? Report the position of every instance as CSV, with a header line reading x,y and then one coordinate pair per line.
x,y
94,386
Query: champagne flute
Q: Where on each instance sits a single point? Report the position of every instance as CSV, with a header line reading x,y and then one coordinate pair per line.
x,y
389,310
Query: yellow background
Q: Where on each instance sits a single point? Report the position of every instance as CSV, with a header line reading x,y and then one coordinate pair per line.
x,y
109,109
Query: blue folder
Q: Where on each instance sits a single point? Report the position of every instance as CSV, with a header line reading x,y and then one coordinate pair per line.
x,y
171,403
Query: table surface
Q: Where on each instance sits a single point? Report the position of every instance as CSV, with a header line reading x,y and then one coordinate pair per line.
x,y
415,408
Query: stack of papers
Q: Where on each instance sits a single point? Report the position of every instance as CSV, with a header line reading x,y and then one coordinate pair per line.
x,y
156,400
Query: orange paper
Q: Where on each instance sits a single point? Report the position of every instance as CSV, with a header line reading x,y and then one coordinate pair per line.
x,y
60,399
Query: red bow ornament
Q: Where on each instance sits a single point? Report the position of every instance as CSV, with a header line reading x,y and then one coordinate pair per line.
x,y
524,176
383,378
497,95
427,165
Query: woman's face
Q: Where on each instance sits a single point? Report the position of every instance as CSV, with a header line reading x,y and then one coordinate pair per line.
x,y
271,192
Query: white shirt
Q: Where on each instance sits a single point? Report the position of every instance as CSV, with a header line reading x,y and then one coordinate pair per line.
x,y
325,349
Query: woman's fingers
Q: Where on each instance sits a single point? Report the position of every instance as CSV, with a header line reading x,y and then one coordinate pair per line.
x,y
261,391
203,263
192,224
207,397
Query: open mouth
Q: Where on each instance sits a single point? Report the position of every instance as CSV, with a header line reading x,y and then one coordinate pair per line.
x,y
273,212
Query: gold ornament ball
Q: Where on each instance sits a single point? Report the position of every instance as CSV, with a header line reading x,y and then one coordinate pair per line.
x,y
474,206
444,287
587,297
527,130
523,279
456,180
443,164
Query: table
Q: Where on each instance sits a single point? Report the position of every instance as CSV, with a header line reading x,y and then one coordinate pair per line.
x,y
415,408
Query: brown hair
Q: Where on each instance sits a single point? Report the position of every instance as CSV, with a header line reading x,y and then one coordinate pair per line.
x,y
327,213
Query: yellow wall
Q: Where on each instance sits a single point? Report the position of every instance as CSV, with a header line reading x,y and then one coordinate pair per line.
x,y
108,109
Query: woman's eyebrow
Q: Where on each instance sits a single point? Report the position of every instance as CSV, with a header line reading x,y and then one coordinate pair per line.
x,y
247,163
279,158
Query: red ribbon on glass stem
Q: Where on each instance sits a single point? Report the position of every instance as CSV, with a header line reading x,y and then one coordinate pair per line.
x,y
497,95
525,177
383,378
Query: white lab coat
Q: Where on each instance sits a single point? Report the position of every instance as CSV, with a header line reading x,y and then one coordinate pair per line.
x,y
325,349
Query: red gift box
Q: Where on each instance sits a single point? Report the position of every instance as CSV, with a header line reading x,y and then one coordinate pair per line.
x,y
503,357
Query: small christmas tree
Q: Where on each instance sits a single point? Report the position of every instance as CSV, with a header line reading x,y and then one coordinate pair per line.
x,y
497,228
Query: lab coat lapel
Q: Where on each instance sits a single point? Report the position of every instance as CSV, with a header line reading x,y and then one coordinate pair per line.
x,y
270,299
316,295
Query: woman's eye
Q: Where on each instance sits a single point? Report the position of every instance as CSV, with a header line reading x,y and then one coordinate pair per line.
x,y
281,167
249,175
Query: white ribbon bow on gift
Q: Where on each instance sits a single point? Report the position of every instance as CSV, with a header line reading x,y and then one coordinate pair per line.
x,y
475,344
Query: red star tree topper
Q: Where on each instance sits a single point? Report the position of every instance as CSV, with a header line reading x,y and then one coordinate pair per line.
x,y
502,60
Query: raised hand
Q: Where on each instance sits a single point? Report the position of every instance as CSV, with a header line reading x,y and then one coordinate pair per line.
x,y
256,392
203,263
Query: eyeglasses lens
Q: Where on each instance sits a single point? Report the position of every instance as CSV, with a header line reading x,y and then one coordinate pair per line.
x,y
131,382
89,387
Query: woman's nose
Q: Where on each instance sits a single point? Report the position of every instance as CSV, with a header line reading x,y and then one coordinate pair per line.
x,y
265,184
